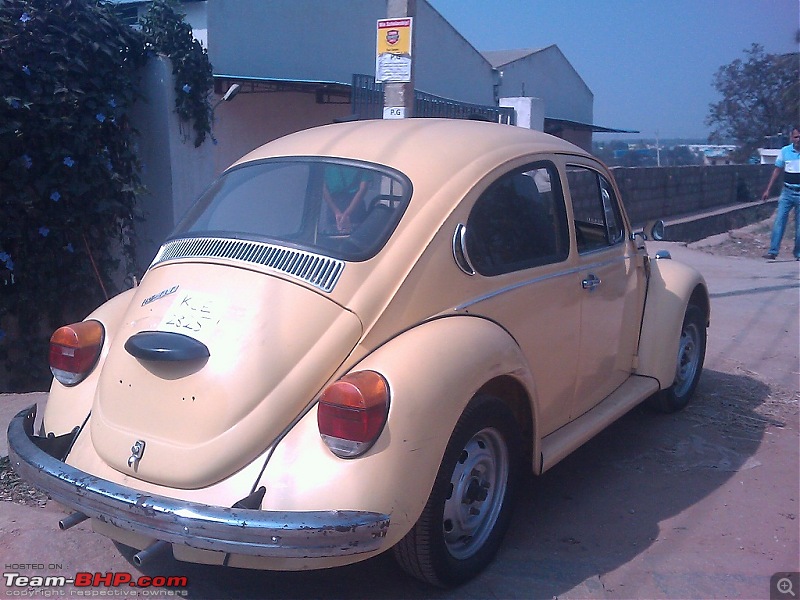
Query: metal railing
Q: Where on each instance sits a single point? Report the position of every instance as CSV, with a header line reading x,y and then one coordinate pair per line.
x,y
367,103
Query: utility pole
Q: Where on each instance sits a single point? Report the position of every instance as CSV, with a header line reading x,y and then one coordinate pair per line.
x,y
658,151
398,91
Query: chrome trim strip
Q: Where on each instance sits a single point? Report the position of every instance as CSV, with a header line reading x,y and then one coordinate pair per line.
x,y
527,282
280,534
460,250
315,269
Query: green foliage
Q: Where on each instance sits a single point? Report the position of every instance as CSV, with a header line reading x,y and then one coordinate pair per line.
x,y
168,34
760,97
68,172
68,169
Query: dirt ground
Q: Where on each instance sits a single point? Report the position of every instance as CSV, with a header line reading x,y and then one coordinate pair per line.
x,y
751,241
699,504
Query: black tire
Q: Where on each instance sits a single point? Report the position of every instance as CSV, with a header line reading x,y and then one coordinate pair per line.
x,y
691,354
470,506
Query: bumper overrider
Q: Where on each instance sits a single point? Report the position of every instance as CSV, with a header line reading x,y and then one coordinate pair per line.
x,y
279,534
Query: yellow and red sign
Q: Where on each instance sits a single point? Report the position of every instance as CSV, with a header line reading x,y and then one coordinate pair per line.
x,y
393,60
394,36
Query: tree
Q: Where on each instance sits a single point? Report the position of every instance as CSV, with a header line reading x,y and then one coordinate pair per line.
x,y
760,96
679,156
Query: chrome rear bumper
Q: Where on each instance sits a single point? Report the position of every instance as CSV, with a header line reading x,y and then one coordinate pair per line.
x,y
311,534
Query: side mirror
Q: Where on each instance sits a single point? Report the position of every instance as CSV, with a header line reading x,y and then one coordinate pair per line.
x,y
653,230
656,229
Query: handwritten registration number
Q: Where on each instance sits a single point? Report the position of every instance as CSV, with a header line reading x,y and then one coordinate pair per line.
x,y
194,314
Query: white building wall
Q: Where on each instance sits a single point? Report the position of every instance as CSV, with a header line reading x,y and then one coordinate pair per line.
x,y
196,15
548,75
530,111
174,172
769,156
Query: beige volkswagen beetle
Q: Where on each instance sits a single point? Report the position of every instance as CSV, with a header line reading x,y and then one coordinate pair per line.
x,y
361,338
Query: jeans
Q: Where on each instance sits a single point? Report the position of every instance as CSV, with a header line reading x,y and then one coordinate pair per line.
x,y
790,199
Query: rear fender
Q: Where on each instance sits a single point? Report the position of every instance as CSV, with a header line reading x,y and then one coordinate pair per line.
x,y
433,371
67,407
671,286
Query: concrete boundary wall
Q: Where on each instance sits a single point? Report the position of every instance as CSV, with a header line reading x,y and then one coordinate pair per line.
x,y
663,192
173,171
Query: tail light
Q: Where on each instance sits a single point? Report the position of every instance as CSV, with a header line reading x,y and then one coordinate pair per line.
x,y
74,350
352,412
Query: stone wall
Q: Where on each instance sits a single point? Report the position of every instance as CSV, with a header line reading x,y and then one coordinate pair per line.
x,y
666,192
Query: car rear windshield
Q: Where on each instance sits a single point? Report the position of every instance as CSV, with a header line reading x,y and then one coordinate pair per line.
x,y
342,209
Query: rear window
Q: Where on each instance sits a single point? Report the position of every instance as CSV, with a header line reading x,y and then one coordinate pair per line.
x,y
342,209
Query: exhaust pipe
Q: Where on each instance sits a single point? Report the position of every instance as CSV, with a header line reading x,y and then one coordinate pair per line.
x,y
71,520
148,554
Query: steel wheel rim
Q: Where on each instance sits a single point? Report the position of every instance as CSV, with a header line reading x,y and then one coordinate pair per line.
x,y
477,489
688,358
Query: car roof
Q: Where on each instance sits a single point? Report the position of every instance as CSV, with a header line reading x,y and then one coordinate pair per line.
x,y
420,148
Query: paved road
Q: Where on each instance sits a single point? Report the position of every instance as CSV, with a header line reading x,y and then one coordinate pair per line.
x,y
702,504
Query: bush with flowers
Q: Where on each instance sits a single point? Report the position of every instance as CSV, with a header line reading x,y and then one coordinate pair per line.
x,y
167,33
68,168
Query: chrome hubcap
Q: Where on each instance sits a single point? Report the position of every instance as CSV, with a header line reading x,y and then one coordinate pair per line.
x,y
477,488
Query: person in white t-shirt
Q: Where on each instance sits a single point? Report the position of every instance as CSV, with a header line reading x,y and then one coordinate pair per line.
x,y
788,162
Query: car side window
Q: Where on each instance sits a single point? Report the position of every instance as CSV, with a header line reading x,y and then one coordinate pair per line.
x,y
519,222
598,222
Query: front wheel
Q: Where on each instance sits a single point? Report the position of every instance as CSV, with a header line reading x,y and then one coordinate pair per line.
x,y
470,506
691,354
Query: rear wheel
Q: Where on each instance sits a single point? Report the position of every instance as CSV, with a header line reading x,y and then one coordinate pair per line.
x,y
691,353
470,506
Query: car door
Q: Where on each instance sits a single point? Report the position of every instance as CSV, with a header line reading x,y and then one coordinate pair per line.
x,y
517,239
609,276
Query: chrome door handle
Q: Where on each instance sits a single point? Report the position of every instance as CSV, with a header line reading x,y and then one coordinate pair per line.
x,y
591,282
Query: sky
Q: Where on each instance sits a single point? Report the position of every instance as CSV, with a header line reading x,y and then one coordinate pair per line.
x,y
649,63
